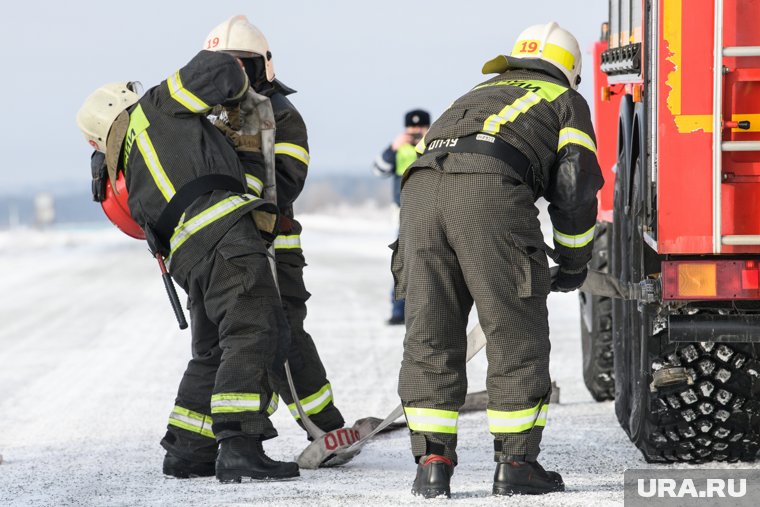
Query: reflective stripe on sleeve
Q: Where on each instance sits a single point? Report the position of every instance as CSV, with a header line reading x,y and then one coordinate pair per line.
x,y
255,184
517,421
314,403
292,150
575,136
206,217
509,113
577,241
287,242
235,402
191,421
431,420
382,165
148,152
184,96
273,404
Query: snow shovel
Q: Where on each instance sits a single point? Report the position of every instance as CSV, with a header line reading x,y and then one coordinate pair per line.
x,y
324,450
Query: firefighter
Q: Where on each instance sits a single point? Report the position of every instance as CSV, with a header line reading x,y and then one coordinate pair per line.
x,y
470,233
187,190
394,161
237,36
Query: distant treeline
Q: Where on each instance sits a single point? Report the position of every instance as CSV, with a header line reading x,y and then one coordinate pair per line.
x,y
321,191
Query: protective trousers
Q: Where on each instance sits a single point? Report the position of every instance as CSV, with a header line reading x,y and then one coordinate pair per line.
x,y
239,335
472,237
309,376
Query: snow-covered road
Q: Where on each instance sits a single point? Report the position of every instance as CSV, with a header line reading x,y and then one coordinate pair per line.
x,y
90,358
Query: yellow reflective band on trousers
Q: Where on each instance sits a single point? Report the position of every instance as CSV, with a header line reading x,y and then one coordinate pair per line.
x,y
517,421
254,184
574,241
292,150
273,404
207,217
184,96
287,242
191,421
315,403
431,420
575,136
225,403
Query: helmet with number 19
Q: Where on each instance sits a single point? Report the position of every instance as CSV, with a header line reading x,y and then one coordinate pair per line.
x,y
238,37
553,44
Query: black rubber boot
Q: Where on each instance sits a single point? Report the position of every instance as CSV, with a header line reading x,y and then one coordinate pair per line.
x,y
185,469
515,476
433,476
240,457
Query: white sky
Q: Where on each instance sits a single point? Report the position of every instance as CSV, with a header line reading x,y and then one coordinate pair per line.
x,y
358,66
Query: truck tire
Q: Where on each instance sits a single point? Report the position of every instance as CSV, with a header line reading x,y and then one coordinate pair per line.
x,y
596,327
717,416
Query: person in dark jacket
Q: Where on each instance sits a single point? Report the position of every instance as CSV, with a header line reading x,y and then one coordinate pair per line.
x,y
470,234
394,161
237,36
175,161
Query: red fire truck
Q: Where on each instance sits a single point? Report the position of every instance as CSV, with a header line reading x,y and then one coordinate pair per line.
x,y
678,127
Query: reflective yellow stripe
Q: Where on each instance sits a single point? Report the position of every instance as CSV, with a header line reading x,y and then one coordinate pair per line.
x,y
224,403
273,404
544,89
184,96
287,242
421,146
560,55
206,217
577,241
292,150
314,403
254,184
154,165
575,136
191,421
138,122
493,123
517,421
431,420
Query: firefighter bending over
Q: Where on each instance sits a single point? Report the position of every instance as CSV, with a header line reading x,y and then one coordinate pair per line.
x,y
188,190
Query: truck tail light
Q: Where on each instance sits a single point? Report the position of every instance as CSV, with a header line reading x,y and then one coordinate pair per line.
x,y
696,280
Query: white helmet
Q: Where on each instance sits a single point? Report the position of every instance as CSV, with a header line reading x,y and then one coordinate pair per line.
x,y
104,111
239,37
552,44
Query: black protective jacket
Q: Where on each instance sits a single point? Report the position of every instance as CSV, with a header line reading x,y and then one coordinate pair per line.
x,y
536,111
170,143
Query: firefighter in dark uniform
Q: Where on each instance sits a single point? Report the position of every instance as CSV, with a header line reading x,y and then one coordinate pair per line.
x,y
237,36
470,234
187,190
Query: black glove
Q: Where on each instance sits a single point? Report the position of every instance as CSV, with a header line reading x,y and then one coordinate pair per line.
x,y
566,279
99,176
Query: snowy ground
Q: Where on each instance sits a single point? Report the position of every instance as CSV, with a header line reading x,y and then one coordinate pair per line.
x,y
90,357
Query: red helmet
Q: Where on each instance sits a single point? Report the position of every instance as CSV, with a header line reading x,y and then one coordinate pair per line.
x,y
117,211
